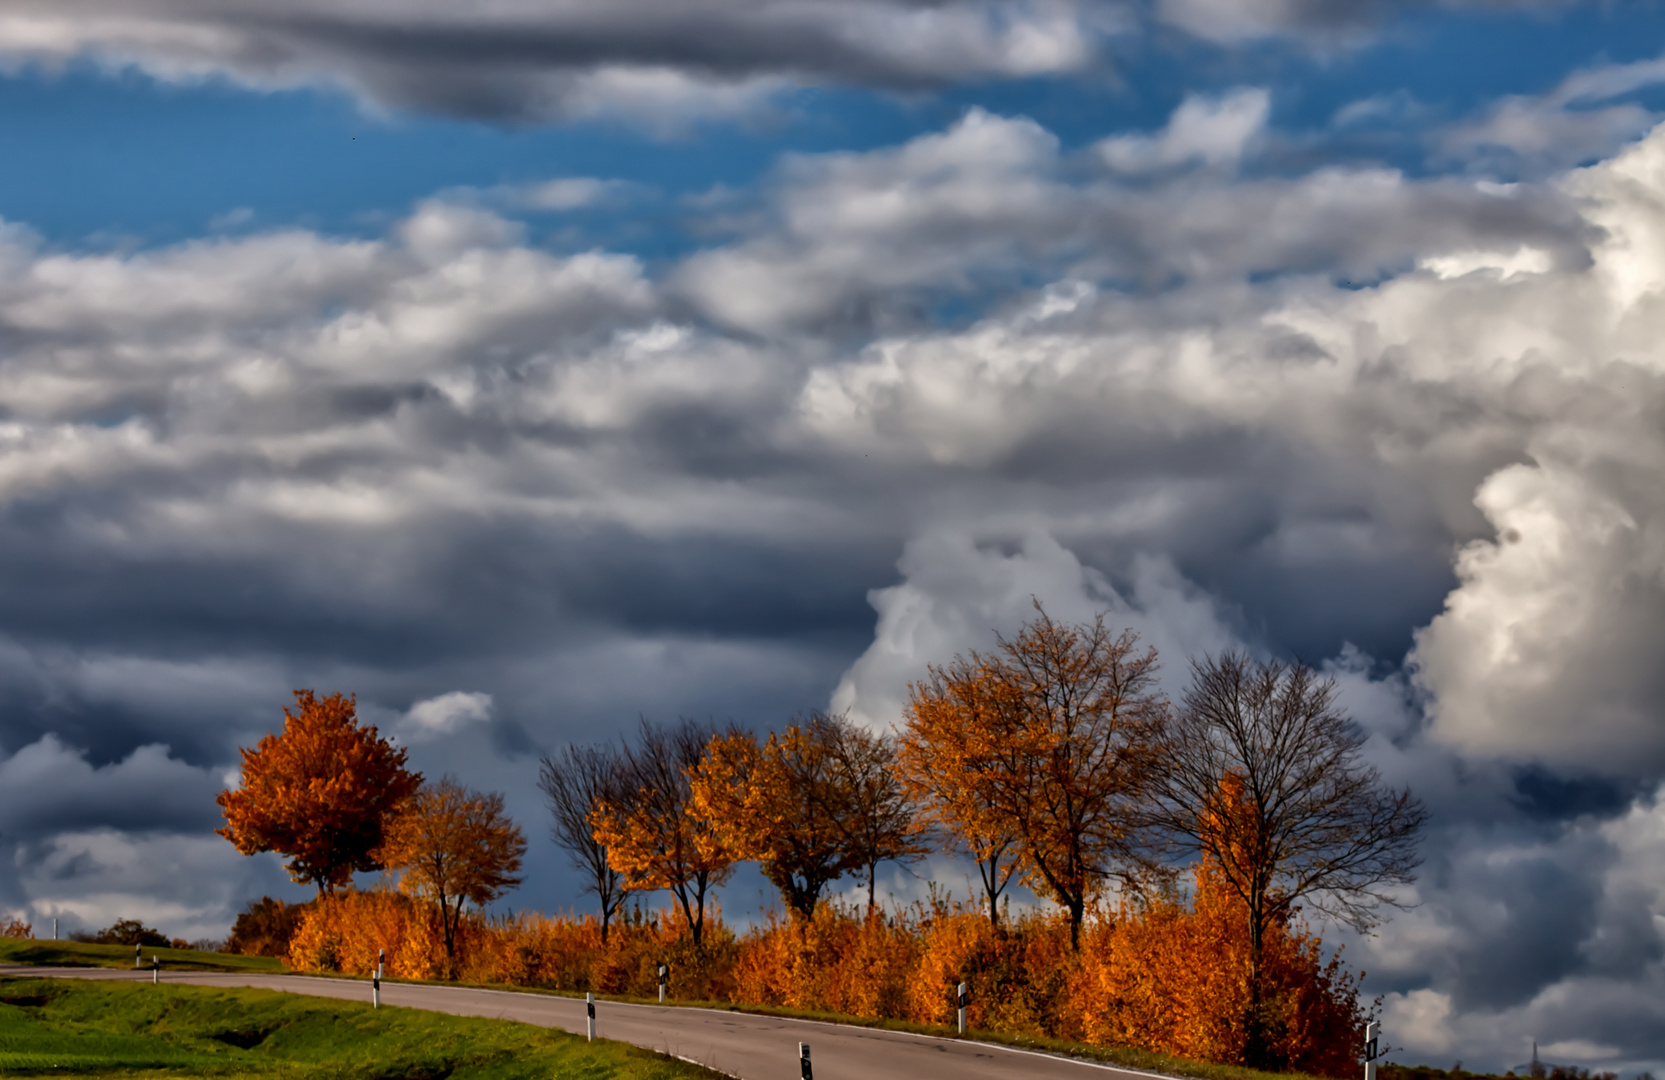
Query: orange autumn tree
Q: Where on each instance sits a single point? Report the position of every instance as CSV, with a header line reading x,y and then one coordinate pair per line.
x,y
1057,733
949,779
454,846
320,793
784,803
654,832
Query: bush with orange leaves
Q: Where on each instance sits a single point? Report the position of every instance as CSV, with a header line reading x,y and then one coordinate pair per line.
x,y
1175,977
17,928
1171,976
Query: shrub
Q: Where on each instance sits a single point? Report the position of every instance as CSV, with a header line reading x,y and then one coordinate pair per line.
x,y
125,932
265,928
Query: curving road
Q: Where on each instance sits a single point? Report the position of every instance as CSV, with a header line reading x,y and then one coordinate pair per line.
x,y
742,1045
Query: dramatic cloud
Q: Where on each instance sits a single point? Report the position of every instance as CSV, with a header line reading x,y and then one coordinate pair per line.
x,y
1405,428
523,60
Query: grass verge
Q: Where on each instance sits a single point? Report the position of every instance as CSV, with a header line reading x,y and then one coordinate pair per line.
x,y
67,1028
82,954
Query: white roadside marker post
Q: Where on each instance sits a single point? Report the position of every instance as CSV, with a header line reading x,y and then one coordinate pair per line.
x,y
138,961
664,977
376,989
155,970
589,1007
1372,1031
381,962
804,1071
961,999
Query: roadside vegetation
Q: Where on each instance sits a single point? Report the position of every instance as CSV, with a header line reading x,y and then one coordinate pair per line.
x,y
66,1028
1186,846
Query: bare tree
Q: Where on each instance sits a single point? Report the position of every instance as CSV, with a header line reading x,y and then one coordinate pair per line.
x,y
575,783
878,820
1261,774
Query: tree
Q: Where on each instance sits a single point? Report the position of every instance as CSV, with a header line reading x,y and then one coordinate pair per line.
x,y
319,793
1261,774
265,928
782,803
878,819
575,784
1057,732
654,834
950,783
455,846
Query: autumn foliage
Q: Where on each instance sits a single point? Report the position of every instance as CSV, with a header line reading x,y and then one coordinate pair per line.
x,y
1165,977
453,846
1054,759
319,793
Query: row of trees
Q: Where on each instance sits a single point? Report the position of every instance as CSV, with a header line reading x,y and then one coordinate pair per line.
x,y
337,799
1055,760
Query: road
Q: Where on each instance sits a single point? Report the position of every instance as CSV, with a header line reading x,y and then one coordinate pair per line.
x,y
742,1045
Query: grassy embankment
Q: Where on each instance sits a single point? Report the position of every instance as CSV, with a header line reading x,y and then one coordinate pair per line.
x,y
69,1029
81,954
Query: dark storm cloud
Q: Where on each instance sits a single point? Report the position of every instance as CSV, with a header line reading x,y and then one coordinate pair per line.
x,y
527,61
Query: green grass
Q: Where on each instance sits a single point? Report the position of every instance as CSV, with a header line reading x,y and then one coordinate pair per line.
x,y
81,954
66,1028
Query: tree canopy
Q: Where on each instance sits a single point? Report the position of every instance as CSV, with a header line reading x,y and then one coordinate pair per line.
x,y
454,846
319,793
1050,739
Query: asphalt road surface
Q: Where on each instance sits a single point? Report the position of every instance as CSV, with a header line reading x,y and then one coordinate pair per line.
x,y
740,1044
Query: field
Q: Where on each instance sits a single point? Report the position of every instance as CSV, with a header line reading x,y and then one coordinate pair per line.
x,y
64,1028
80,954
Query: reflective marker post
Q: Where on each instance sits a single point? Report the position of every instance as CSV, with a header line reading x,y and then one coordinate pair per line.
x,y
376,989
138,962
589,1006
1372,1031
961,1000
664,977
155,970
804,1071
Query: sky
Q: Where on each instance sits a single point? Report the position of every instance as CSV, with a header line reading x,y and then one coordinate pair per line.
x,y
527,367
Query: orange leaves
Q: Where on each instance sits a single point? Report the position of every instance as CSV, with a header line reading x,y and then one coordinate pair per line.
x,y
1047,742
319,793
779,803
454,845
815,802
654,831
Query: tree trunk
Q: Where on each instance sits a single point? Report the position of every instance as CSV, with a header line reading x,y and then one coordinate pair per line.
x,y
872,869
1254,1050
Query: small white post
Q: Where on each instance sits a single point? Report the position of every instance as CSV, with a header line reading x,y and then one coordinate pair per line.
x,y
804,1071
381,962
155,970
589,1007
1372,1031
376,989
960,999
664,977
138,961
